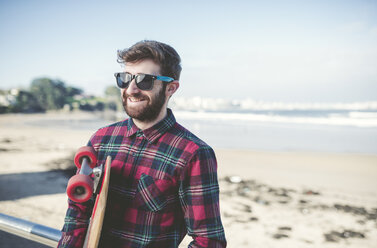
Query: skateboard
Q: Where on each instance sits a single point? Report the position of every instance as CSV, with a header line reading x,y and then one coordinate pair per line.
x,y
91,180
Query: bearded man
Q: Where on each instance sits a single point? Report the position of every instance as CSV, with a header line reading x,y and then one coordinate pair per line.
x,y
163,178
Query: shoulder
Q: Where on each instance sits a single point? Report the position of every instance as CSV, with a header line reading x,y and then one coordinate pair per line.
x,y
200,159
111,127
193,143
108,131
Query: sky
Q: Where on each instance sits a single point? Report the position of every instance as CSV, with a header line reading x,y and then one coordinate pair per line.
x,y
286,51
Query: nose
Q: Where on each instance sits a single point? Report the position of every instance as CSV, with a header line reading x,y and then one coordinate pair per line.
x,y
132,88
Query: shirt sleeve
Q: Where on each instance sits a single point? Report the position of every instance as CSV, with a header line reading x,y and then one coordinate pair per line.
x,y
199,197
76,222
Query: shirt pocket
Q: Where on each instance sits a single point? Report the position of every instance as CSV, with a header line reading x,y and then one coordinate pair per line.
x,y
152,194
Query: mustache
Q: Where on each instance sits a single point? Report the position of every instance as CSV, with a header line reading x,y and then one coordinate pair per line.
x,y
137,95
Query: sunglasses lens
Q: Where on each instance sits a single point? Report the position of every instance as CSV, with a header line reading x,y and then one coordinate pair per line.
x,y
144,82
123,80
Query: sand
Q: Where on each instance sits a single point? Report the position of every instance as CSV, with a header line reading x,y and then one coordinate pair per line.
x,y
268,199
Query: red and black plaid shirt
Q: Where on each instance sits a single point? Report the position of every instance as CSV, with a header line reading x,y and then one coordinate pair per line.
x,y
163,185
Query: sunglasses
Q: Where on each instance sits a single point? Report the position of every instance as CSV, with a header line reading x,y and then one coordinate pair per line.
x,y
143,81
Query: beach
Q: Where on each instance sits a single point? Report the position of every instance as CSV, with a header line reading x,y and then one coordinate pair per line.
x,y
267,198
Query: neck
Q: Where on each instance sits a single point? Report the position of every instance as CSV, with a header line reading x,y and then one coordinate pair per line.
x,y
147,124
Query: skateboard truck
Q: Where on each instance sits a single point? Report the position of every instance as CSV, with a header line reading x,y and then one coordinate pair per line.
x,y
97,172
80,187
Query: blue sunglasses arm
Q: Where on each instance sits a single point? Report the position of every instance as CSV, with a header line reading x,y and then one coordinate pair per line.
x,y
165,79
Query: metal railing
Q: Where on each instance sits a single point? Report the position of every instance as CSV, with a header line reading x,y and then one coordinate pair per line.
x,y
30,230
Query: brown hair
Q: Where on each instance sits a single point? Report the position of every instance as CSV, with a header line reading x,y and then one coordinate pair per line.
x,y
162,54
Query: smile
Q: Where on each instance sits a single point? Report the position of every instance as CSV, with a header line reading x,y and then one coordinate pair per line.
x,y
131,99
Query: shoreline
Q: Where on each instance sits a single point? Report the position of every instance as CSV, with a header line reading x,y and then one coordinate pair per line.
x,y
91,121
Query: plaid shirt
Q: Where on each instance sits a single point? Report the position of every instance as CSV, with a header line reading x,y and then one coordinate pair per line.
x,y
163,185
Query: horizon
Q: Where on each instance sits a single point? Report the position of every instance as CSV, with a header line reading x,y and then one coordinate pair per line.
x,y
273,52
234,101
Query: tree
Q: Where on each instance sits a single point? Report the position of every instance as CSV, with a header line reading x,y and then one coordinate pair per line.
x,y
72,91
26,103
51,94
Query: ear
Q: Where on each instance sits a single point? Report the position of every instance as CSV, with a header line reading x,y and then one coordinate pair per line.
x,y
172,88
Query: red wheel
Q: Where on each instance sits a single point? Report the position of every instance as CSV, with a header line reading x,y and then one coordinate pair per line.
x,y
86,152
80,188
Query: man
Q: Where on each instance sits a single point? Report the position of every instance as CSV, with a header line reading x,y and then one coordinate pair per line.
x,y
163,178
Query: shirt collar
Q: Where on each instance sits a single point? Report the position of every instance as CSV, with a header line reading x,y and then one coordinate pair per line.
x,y
154,132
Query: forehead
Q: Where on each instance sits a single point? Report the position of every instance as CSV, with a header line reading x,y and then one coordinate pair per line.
x,y
145,67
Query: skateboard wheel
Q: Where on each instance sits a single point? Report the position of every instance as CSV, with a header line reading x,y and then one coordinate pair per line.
x,y
80,188
86,152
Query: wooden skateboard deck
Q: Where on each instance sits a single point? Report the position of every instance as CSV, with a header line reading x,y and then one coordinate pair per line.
x,y
95,225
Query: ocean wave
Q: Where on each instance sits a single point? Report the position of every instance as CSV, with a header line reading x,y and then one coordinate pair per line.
x,y
220,104
354,118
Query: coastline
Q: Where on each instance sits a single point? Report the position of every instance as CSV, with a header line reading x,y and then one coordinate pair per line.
x,y
268,199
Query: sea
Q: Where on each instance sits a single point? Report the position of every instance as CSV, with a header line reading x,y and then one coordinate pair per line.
x,y
319,131
333,128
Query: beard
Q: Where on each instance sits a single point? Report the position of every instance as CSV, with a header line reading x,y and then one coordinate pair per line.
x,y
149,112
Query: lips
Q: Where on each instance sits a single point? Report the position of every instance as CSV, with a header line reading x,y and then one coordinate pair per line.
x,y
133,99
